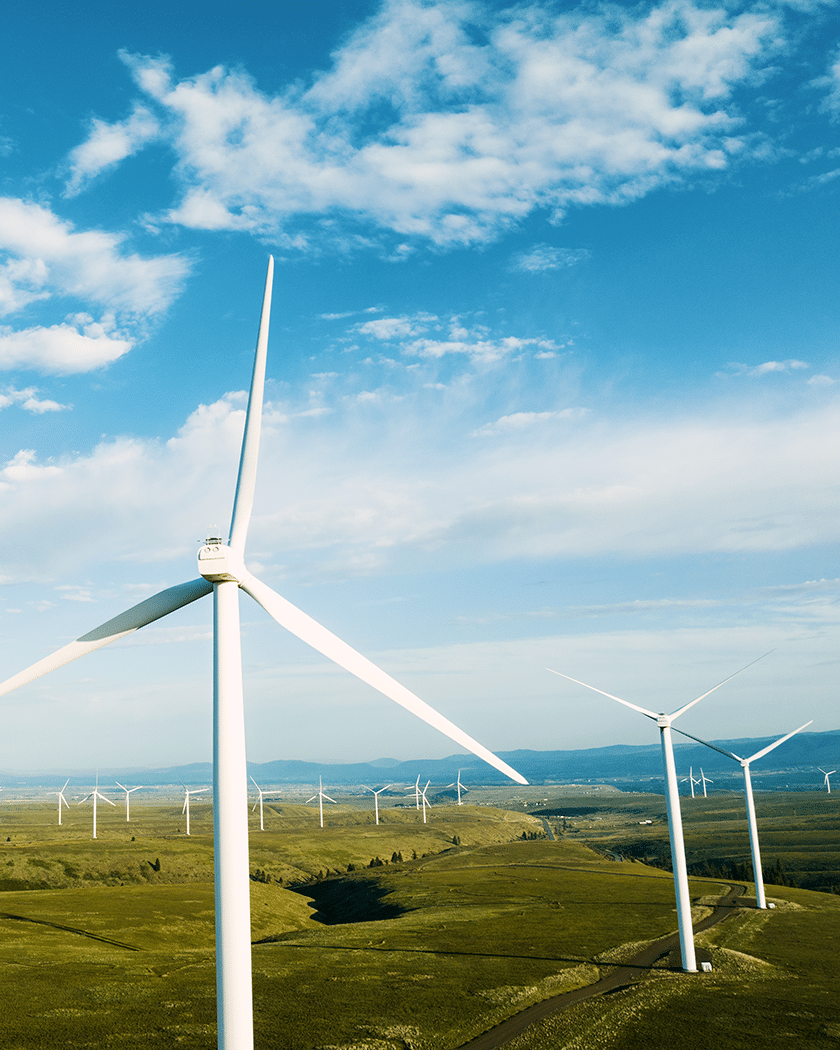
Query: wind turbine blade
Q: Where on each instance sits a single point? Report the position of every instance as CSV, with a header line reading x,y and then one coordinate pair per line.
x,y
132,619
697,700
641,710
760,754
311,632
104,799
243,501
714,747
327,797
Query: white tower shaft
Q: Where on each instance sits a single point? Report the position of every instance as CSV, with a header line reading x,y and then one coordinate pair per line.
x,y
758,875
234,1010
689,961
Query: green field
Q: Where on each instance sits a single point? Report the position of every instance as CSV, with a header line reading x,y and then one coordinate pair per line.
x,y
110,943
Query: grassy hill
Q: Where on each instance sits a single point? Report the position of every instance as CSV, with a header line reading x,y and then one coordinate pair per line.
x,y
110,943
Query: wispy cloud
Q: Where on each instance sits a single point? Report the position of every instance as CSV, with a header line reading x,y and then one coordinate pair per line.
x,y
766,368
543,257
448,122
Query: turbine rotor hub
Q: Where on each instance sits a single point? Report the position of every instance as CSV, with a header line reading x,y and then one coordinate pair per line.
x,y
219,563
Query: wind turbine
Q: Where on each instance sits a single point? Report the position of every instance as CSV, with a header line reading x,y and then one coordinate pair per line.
x,y
672,799
460,788
186,807
263,794
691,779
426,802
127,793
704,780
95,794
376,795
827,782
321,796
758,875
61,799
416,792
223,573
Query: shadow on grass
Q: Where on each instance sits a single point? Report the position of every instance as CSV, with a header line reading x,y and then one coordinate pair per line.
x,y
71,929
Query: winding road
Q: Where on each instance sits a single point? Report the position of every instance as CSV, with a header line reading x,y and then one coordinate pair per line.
x,y
621,976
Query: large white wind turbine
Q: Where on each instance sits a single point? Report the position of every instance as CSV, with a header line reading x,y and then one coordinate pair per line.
x,y
376,795
758,875
416,792
321,796
127,793
828,773
186,806
672,798
61,799
223,573
262,795
95,794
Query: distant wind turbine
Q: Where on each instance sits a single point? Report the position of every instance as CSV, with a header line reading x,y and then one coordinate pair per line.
x,y
416,792
186,806
690,779
95,794
758,875
426,802
828,773
223,573
61,799
127,793
705,780
457,784
259,802
672,799
321,796
376,795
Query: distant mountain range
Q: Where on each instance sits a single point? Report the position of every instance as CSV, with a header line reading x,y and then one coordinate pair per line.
x,y
631,767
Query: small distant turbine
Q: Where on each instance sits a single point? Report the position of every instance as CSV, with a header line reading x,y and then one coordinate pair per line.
x,y
259,802
426,802
61,799
127,793
457,784
321,796
672,799
704,780
186,808
828,773
416,792
690,779
758,875
95,794
376,795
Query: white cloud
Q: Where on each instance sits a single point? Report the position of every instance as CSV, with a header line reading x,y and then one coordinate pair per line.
x,y
543,257
107,145
43,258
766,368
28,400
61,349
449,121
820,380
523,420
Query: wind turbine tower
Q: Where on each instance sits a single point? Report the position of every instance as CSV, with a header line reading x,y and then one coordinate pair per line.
x,y
186,807
127,793
95,794
672,798
828,773
426,802
376,795
223,574
758,875
61,799
259,802
704,780
321,796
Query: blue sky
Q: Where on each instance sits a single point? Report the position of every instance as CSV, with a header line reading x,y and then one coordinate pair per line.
x,y
553,371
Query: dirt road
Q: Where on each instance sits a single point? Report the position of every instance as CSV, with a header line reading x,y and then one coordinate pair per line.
x,y
620,977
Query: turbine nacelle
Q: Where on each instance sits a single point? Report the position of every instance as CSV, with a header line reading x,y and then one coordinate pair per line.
x,y
219,563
